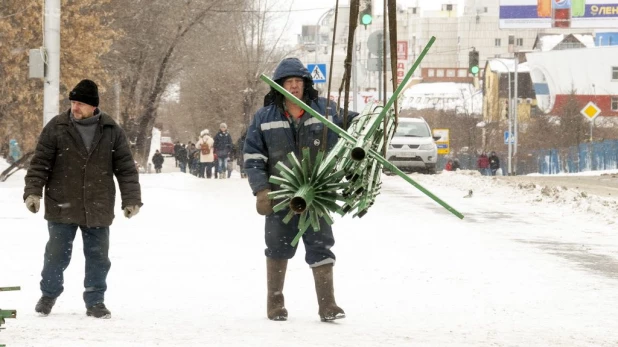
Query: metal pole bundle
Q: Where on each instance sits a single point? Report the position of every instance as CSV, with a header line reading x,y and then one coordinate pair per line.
x,y
350,173
7,313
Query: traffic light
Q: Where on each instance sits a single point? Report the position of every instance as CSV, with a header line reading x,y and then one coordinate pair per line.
x,y
365,15
473,62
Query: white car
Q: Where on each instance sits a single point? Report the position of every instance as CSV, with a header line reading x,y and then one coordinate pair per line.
x,y
413,147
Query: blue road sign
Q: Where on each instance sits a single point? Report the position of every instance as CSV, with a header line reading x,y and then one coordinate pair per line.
x,y
507,137
318,72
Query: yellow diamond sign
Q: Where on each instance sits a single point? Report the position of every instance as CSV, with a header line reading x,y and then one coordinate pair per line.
x,y
591,110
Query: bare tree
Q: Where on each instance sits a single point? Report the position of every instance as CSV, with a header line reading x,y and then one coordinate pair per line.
x,y
220,81
147,59
259,50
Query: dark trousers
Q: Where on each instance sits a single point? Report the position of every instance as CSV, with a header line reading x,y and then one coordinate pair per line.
x,y
279,236
58,256
206,168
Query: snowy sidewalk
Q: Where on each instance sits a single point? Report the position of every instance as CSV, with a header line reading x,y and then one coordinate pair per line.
x,y
189,270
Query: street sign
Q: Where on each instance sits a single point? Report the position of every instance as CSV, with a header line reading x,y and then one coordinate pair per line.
x,y
508,138
375,44
443,143
318,72
375,64
590,111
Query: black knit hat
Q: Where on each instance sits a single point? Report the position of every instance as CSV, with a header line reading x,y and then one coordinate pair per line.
x,y
87,92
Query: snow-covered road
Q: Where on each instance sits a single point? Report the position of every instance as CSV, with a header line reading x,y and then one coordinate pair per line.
x,y
526,267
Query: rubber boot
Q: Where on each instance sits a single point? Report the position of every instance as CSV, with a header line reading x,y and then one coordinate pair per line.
x,y
323,276
275,276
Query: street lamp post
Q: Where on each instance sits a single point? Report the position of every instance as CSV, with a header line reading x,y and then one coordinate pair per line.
x,y
509,142
317,34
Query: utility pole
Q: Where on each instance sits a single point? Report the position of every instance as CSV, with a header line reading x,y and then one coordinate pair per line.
x,y
515,113
354,75
380,57
51,85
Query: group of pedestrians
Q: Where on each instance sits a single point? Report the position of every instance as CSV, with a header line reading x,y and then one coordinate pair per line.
x,y
206,154
488,166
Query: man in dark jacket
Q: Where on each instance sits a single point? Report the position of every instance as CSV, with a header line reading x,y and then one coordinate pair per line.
x,y
77,156
177,148
223,149
278,128
494,163
157,160
182,157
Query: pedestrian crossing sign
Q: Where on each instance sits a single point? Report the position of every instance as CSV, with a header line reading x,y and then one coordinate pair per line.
x,y
318,72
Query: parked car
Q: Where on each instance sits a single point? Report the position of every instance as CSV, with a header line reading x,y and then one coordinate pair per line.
x,y
413,147
167,146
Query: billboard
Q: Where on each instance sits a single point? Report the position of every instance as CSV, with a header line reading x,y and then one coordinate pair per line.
x,y
543,14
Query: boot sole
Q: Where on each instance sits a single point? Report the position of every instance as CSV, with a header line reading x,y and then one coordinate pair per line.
x,y
330,319
107,316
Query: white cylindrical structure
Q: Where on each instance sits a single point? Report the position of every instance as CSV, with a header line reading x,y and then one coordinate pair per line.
x,y
51,89
515,110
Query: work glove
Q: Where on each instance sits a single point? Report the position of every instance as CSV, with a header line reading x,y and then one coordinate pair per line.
x,y
131,211
263,204
33,203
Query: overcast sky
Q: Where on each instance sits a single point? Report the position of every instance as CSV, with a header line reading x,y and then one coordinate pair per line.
x,y
305,12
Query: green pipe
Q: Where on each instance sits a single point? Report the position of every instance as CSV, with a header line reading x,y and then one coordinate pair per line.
x,y
401,174
404,82
6,289
303,199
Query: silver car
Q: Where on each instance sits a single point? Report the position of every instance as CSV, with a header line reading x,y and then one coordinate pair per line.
x,y
413,147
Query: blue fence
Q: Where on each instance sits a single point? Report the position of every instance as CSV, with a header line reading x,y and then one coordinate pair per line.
x,y
585,157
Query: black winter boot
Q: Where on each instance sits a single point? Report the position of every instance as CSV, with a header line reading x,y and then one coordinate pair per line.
x,y
98,311
44,305
275,277
323,276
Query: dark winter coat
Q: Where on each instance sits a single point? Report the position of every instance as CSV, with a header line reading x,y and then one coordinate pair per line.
x,y
456,165
157,160
271,135
223,144
181,155
494,162
79,185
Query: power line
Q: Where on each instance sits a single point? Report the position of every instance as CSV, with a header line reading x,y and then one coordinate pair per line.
x,y
267,11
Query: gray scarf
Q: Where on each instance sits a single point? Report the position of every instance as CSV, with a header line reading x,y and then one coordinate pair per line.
x,y
87,127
